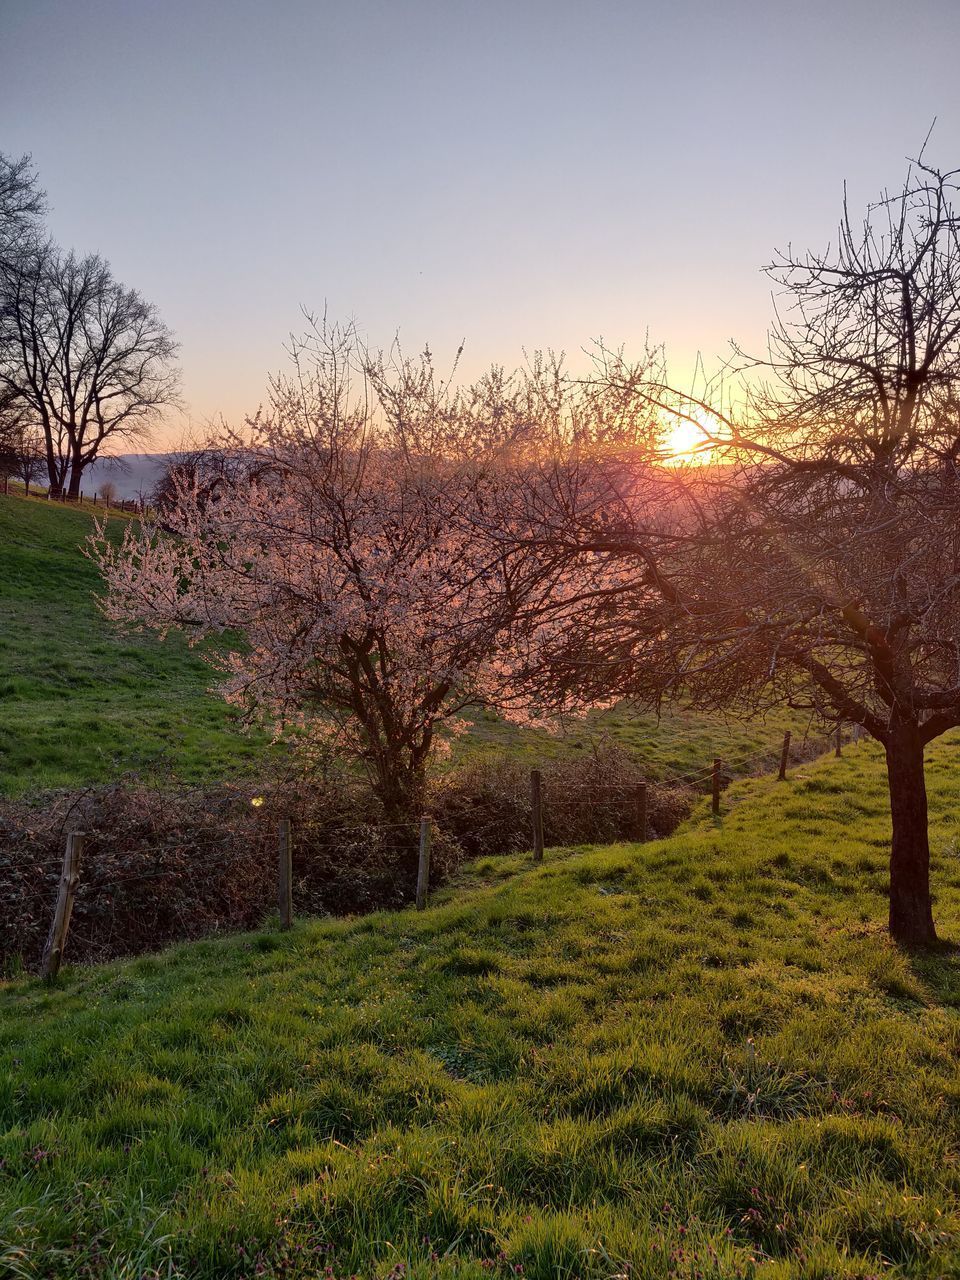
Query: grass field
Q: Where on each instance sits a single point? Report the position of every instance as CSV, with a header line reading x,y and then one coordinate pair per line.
x,y
682,741
696,1058
80,703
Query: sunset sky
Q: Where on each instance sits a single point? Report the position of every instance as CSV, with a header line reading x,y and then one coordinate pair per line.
x,y
523,174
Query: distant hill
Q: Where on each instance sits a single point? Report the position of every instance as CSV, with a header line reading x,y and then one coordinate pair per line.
x,y
131,473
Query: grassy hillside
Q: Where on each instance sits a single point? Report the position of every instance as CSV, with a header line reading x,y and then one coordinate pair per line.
x,y
80,703
696,1058
682,741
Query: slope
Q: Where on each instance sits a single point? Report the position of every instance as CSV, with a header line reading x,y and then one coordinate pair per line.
x,y
82,703
79,702
699,1058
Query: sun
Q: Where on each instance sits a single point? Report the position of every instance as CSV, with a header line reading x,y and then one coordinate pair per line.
x,y
684,440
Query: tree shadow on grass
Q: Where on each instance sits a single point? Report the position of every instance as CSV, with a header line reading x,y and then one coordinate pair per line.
x,y
938,968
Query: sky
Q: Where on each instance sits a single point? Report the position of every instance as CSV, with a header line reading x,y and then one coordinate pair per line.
x,y
514,175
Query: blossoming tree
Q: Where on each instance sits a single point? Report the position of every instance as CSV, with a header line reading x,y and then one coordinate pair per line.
x,y
335,543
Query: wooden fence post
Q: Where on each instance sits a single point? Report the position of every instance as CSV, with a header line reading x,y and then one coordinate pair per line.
x,y
423,867
784,757
285,880
839,751
69,877
640,810
536,813
717,765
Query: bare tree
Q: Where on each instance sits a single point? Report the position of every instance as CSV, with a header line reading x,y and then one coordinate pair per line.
x,y
816,561
10,427
90,358
22,205
21,455
22,202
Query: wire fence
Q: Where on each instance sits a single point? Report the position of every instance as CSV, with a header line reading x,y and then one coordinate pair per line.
x,y
99,498
228,873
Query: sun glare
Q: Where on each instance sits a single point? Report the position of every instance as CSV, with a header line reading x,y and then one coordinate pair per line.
x,y
684,441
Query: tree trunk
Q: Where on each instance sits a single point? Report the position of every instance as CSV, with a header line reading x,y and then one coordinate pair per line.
x,y
76,476
911,915
53,475
400,789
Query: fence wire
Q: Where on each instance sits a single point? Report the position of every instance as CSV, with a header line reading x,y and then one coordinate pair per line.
x,y
204,858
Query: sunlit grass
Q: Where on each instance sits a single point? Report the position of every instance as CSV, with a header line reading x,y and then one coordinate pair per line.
x,y
682,741
699,1057
79,702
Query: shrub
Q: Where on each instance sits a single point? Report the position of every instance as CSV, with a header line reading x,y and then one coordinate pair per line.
x,y
485,806
163,865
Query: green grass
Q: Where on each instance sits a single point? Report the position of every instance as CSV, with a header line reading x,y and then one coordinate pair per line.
x,y
682,740
79,702
696,1058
